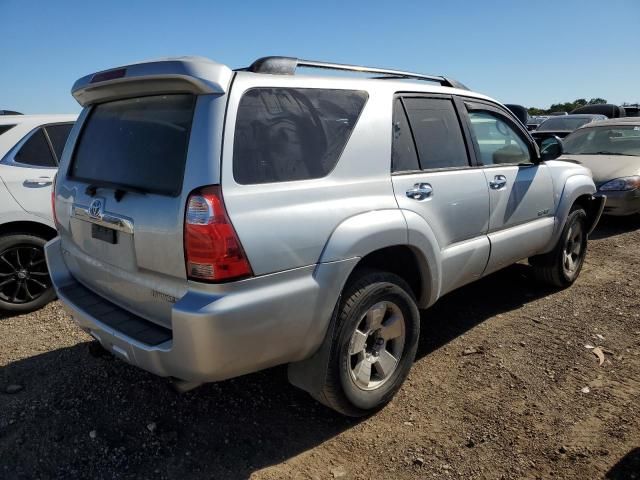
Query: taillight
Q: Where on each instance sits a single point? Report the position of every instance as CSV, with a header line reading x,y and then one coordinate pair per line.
x,y
212,249
53,201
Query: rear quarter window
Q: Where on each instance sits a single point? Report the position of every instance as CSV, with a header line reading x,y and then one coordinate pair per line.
x,y
286,134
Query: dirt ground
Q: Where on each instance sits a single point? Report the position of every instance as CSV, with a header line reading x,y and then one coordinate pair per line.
x,y
530,402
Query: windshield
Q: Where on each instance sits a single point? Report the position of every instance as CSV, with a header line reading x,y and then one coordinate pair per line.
x,y
613,140
138,143
564,123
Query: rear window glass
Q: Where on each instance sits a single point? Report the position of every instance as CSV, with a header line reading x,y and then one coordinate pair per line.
x,y
58,135
5,128
566,123
285,134
139,143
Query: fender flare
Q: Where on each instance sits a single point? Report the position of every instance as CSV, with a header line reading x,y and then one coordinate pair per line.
x,y
364,233
574,187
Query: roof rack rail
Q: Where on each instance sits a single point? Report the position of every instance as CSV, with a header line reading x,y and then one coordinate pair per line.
x,y
288,66
9,112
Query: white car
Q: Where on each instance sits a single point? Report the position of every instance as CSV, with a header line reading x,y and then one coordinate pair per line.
x,y
30,147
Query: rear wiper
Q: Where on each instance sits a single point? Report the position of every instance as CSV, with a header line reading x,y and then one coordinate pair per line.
x,y
119,191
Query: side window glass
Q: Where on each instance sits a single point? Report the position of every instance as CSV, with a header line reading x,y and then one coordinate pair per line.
x,y
286,134
58,135
36,151
403,152
436,129
497,141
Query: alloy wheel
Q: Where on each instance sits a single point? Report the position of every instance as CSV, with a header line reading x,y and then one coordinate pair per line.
x,y
23,274
376,345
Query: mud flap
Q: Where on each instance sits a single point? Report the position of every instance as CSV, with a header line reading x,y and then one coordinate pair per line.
x,y
310,374
594,211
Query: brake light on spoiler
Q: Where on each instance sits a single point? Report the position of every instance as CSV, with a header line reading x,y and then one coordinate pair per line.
x,y
213,252
108,75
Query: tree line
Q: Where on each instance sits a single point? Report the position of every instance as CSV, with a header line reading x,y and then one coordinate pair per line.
x,y
566,106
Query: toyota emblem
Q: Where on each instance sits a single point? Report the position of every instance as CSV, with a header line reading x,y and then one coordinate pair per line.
x,y
95,210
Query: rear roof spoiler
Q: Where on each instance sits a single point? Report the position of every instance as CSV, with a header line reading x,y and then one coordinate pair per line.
x,y
168,75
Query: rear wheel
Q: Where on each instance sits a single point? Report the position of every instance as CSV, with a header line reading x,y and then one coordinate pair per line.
x,y
24,279
374,343
561,267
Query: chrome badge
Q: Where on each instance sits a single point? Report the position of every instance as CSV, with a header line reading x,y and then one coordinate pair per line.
x,y
96,208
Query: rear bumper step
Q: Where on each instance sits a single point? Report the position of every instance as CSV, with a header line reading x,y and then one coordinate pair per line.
x,y
115,317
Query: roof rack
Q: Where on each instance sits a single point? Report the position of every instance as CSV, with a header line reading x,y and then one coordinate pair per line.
x,y
9,112
288,66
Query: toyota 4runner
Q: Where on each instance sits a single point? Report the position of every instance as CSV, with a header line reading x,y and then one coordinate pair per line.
x,y
215,222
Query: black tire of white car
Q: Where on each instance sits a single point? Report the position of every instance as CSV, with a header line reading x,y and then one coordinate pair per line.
x,y
571,249
23,273
390,299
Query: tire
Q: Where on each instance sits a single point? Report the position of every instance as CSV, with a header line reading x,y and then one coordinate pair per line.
x,y
561,267
25,285
374,305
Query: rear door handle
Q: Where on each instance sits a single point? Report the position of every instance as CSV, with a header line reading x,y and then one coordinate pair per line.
x,y
420,191
498,182
40,182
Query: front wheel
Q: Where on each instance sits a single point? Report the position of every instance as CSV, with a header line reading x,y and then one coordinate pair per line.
x,y
374,343
25,285
561,267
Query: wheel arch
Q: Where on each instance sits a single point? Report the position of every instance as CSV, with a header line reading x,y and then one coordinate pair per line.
x,y
377,238
577,188
39,229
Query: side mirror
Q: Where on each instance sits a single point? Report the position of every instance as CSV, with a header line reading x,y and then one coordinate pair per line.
x,y
551,148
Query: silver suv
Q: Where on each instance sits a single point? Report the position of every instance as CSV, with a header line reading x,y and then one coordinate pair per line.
x,y
215,222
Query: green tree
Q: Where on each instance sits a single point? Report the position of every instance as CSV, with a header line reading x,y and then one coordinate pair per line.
x,y
566,106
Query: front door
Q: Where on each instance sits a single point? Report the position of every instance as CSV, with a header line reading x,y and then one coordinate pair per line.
x,y
520,191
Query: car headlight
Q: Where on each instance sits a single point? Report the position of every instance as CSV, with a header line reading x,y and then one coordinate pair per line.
x,y
621,184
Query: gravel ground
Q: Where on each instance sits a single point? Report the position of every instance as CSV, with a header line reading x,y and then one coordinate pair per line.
x,y
503,387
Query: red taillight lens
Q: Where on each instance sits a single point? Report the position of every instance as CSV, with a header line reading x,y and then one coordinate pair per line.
x,y
212,249
53,202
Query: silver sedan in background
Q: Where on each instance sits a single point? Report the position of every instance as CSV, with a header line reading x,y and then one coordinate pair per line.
x,y
611,149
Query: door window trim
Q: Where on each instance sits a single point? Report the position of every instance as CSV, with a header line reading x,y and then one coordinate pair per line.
x,y
471,154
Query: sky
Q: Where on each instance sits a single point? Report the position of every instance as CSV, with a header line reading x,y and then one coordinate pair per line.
x,y
532,53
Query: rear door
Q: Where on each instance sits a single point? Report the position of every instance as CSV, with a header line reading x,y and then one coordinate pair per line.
x,y
520,191
29,168
433,176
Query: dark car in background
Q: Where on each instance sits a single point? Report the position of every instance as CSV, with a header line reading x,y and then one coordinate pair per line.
x,y
606,109
535,121
562,125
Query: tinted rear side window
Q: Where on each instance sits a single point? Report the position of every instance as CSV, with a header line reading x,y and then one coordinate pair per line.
x,y
403,153
5,128
437,132
58,135
285,134
36,151
138,142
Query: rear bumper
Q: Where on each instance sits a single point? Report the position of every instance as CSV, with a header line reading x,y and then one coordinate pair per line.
x,y
217,331
622,203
